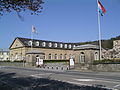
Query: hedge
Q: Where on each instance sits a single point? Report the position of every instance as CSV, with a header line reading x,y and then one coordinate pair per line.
x,y
13,61
55,61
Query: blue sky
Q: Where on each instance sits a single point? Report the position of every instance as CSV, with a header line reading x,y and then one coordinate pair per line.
x,y
63,20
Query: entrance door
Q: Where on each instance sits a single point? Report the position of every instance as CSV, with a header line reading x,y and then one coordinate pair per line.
x,y
82,57
37,60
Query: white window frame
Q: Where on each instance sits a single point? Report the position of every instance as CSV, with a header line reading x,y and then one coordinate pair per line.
x,y
55,45
30,43
37,43
65,45
43,44
96,56
50,45
70,46
61,45
82,57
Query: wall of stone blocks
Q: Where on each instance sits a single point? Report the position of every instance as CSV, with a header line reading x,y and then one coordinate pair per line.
x,y
106,67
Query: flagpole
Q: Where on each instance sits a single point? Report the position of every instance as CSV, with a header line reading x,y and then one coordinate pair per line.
x,y
31,39
99,32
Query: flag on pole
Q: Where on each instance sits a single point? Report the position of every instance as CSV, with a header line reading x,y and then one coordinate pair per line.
x,y
34,30
102,10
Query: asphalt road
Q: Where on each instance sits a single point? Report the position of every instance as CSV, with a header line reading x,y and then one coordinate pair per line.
x,y
102,79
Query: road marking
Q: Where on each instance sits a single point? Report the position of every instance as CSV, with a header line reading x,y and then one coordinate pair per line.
x,y
116,86
43,74
108,81
35,76
91,80
85,80
40,75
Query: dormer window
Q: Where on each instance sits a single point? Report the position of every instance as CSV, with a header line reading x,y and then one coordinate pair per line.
x,y
61,45
37,43
50,44
43,44
70,46
73,45
65,46
30,43
55,44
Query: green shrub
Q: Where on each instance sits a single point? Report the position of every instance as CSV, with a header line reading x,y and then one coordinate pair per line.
x,y
5,61
19,61
55,61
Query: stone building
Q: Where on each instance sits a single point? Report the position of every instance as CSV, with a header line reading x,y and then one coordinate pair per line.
x,y
29,50
86,53
4,55
112,53
116,45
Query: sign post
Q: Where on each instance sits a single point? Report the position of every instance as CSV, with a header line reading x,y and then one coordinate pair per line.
x,y
71,63
39,62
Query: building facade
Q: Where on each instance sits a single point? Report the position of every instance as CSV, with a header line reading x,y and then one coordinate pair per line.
x,y
114,52
4,55
21,49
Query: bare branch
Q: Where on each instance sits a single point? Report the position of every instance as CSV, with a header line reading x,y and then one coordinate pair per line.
x,y
34,6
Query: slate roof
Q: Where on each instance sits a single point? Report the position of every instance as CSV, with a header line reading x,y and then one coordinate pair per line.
x,y
25,41
86,46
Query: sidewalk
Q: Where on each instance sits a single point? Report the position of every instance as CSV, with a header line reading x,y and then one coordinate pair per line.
x,y
96,73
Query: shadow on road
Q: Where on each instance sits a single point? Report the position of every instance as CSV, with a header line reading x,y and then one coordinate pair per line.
x,y
10,81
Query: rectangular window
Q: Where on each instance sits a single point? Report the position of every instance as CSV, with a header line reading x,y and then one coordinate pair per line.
x,y
50,56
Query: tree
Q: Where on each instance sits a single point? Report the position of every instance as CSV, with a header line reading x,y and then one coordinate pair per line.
x,y
34,6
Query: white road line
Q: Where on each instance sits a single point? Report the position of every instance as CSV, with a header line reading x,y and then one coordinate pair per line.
x,y
116,86
35,76
108,81
43,74
40,75
85,80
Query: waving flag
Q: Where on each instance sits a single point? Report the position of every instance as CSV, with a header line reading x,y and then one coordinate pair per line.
x,y
102,10
34,29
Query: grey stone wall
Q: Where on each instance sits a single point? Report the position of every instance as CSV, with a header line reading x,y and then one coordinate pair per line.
x,y
99,67
106,67
17,64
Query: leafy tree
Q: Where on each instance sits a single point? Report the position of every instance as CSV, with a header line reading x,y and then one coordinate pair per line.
x,y
34,6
